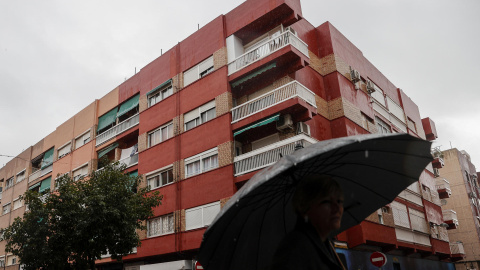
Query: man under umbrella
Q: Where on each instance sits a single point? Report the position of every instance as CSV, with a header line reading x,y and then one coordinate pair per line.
x,y
318,203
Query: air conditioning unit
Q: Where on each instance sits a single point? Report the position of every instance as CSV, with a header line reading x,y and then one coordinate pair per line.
x,y
303,128
355,75
370,87
285,122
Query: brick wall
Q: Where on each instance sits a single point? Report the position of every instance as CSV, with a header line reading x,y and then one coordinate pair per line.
x,y
322,106
142,142
225,154
224,201
143,103
223,103
220,58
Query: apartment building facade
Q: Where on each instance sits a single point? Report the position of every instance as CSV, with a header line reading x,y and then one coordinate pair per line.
x,y
200,120
463,205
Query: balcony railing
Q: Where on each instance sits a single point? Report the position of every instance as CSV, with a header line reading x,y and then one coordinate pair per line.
x,y
457,248
281,94
266,48
118,129
34,176
47,170
265,156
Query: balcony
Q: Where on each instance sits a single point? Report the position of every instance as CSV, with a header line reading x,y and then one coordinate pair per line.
x,y
269,154
130,161
279,95
267,48
450,217
118,129
443,188
34,176
438,163
457,250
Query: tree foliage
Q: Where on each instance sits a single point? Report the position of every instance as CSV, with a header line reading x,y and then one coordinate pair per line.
x,y
81,220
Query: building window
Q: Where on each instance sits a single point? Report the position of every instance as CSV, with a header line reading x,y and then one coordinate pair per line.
x,y
17,204
9,183
11,260
64,150
6,209
161,134
82,139
160,225
201,216
21,176
80,173
202,162
382,127
200,115
159,94
198,71
161,178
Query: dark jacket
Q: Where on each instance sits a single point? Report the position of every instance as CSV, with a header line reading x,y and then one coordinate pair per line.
x,y
303,249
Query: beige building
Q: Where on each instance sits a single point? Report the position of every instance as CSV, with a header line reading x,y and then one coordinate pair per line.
x,y
463,205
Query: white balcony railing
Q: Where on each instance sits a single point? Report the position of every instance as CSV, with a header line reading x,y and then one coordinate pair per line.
x,y
266,48
457,248
34,176
279,95
47,170
449,215
265,156
118,129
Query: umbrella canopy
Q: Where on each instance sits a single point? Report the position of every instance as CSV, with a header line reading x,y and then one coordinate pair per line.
x,y
371,169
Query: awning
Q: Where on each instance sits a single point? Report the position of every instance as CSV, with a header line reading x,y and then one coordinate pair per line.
x,y
47,158
128,105
253,74
160,86
106,150
261,123
45,184
134,174
107,119
34,186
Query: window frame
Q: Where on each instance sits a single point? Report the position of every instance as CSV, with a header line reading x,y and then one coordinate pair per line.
x,y
17,200
382,126
160,93
22,172
198,71
200,158
203,222
80,176
9,208
197,115
160,130
84,140
158,173
162,219
69,150
9,183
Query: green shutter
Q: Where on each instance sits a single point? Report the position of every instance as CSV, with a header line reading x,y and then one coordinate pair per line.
x,y
160,86
128,105
45,184
107,119
253,74
47,158
34,186
134,174
106,150
264,122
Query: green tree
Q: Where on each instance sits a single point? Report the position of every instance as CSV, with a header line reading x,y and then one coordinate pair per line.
x,y
73,226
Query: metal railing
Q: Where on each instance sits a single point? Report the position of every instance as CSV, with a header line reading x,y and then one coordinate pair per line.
x,y
266,48
265,156
457,248
118,129
279,95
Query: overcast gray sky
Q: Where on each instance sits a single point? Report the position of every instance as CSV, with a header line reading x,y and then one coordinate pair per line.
x,y
56,57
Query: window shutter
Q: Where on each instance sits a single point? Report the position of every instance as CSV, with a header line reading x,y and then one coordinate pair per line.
x,y
193,218
209,213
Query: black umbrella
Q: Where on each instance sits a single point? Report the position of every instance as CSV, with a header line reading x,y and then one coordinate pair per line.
x,y
371,169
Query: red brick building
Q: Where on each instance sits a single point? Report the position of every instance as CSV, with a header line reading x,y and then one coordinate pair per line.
x,y
201,119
